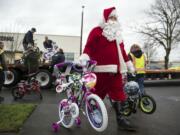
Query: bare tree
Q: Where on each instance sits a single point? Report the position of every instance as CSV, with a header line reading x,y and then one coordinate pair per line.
x,y
163,29
150,51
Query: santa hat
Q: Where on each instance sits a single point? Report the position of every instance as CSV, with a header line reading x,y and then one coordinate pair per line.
x,y
109,12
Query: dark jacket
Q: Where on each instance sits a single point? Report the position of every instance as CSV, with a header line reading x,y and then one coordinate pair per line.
x,y
28,38
58,58
47,44
2,61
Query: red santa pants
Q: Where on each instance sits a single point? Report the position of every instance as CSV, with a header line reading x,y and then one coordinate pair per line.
x,y
110,84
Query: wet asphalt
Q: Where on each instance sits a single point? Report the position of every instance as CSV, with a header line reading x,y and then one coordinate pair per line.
x,y
165,120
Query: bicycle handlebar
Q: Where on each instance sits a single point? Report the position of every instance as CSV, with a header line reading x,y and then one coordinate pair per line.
x,y
90,63
77,67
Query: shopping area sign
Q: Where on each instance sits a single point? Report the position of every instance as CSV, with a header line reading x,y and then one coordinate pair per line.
x,y
6,38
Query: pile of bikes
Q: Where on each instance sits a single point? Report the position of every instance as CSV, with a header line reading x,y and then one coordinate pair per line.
x,y
31,84
78,83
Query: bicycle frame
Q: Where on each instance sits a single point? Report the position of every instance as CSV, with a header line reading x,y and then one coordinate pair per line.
x,y
84,91
79,89
33,86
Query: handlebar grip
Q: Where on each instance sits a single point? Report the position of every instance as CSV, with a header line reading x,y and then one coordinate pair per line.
x,y
92,62
77,67
60,65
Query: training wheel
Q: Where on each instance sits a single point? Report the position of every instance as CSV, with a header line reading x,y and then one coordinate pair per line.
x,y
55,127
59,89
78,121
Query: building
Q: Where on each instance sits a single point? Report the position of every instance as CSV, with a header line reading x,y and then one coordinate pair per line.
x,y
14,48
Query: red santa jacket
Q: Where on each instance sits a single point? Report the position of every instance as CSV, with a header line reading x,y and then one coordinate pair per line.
x,y
103,51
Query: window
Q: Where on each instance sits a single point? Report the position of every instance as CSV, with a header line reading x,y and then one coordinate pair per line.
x,y
69,56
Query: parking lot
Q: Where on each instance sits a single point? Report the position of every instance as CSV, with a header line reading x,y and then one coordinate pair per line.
x,y
165,121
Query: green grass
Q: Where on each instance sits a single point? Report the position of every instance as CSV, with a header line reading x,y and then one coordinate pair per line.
x,y
13,116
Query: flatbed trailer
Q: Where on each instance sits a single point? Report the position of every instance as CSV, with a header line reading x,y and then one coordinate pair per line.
x,y
44,76
163,74
19,72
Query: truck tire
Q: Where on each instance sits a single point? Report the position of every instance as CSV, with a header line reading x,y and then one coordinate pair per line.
x,y
12,78
45,78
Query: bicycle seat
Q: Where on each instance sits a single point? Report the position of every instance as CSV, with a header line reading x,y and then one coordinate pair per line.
x,y
77,68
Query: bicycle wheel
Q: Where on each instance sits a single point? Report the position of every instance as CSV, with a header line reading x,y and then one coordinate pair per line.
x,y
38,90
96,112
147,104
17,92
127,112
74,110
65,115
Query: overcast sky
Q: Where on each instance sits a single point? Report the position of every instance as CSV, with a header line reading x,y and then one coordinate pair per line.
x,y
63,17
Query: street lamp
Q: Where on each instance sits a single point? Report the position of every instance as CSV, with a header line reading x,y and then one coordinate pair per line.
x,y
82,17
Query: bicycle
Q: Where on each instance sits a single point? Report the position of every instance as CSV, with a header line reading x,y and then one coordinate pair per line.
x,y
26,87
135,99
79,88
47,55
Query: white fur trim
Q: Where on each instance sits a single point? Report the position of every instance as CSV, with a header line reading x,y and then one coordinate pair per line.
x,y
84,56
130,67
106,69
123,67
119,37
113,13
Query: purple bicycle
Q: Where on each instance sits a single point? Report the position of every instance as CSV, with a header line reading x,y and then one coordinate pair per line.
x,y
79,86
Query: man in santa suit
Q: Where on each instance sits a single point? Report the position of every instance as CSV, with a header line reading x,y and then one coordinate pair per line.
x,y
105,45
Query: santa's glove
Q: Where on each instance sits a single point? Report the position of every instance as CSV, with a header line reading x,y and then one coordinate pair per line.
x,y
83,59
130,67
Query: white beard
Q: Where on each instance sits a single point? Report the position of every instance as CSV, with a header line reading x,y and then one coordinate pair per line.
x,y
111,30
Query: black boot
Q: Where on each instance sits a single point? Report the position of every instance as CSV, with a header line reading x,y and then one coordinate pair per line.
x,y
123,123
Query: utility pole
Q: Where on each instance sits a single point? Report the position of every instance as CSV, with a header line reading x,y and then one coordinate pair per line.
x,y
82,17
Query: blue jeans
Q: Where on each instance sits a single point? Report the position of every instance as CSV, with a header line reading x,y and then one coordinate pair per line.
x,y
140,81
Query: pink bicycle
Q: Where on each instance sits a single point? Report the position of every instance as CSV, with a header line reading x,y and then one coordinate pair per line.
x,y
26,87
79,88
